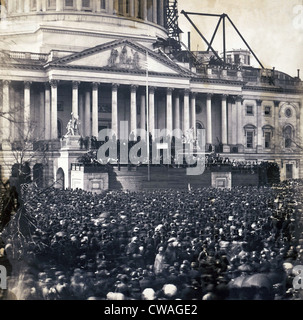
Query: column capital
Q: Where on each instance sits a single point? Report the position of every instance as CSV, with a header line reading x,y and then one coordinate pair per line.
x,y
47,85
186,92
224,96
209,95
76,84
169,90
259,102
6,82
193,94
239,98
54,83
115,86
152,89
95,85
133,88
276,103
27,84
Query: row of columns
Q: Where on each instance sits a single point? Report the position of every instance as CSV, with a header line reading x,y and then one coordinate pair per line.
x,y
110,6
81,106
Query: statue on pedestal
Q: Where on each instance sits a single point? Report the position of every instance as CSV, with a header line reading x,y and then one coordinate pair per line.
x,y
73,126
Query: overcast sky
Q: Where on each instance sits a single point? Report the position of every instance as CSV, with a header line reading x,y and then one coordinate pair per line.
x,y
272,28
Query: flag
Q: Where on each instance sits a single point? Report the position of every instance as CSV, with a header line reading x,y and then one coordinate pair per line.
x,y
145,62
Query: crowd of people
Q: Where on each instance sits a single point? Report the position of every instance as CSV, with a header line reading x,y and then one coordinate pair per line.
x,y
203,244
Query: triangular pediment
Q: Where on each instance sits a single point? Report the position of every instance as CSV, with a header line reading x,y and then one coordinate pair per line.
x,y
122,55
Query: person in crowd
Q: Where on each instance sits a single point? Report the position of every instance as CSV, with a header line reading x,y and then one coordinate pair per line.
x,y
147,245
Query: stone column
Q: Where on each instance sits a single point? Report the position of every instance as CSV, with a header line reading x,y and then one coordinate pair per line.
x,y
27,6
209,136
81,114
41,113
161,13
78,5
87,122
5,110
193,113
186,116
54,112
177,124
259,126
151,109
276,125
132,8
39,5
95,112
155,11
133,108
144,9
27,108
239,122
59,5
47,113
169,110
110,7
75,97
224,119
115,126
143,112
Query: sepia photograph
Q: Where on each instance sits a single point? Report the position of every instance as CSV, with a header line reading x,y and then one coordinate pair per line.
x,y
152,151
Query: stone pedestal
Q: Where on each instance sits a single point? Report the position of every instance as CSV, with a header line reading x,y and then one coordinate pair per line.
x,y
259,149
70,142
226,149
6,145
240,148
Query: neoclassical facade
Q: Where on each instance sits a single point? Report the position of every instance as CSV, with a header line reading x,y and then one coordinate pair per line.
x,y
96,59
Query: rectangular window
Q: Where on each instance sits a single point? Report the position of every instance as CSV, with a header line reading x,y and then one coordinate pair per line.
x,y
267,136
103,4
237,59
86,4
249,110
249,139
267,110
69,3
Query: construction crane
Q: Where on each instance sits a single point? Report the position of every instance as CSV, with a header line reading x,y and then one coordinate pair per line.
x,y
222,19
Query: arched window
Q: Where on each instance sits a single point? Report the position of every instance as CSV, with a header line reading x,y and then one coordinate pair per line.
x,y
288,135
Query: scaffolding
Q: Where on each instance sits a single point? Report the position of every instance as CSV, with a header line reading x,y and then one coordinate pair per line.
x,y
172,24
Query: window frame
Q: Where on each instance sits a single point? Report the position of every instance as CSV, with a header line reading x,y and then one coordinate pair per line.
x,y
252,110
248,133
66,7
269,135
89,8
267,113
103,4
